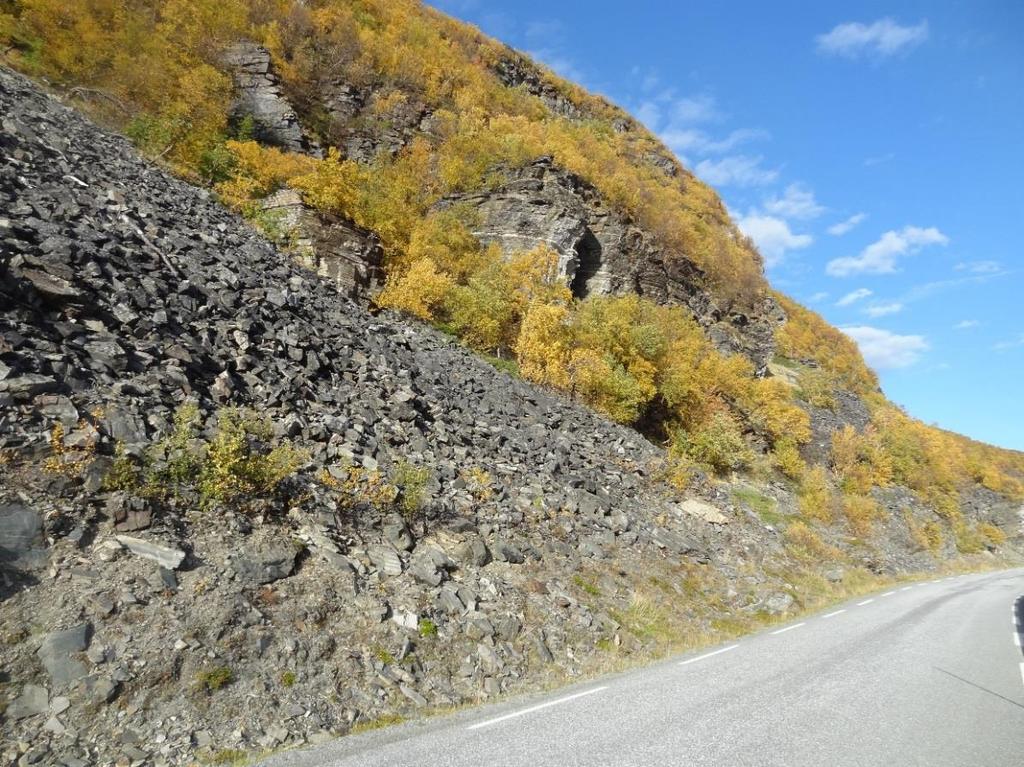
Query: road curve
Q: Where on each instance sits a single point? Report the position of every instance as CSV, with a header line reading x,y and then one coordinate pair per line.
x,y
930,674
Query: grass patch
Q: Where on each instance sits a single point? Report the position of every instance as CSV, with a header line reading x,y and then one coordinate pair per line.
x,y
213,679
384,720
229,756
587,587
764,506
288,678
427,628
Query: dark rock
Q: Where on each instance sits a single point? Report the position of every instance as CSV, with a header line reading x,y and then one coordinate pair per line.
x,y
506,552
56,649
259,565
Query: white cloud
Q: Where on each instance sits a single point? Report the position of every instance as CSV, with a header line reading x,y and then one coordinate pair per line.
x,y
966,324
735,170
682,139
979,267
818,297
853,297
881,38
886,350
843,227
796,202
880,256
881,310
695,109
772,236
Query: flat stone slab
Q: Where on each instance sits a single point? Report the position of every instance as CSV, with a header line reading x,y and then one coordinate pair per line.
x,y
705,511
164,556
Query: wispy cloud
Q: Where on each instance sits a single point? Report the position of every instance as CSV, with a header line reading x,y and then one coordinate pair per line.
x,y
854,296
979,267
886,350
1014,343
966,325
772,236
882,310
683,140
880,257
843,227
797,201
736,170
870,162
818,297
687,126
885,37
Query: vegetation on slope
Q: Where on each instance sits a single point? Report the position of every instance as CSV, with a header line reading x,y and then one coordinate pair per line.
x,y
155,70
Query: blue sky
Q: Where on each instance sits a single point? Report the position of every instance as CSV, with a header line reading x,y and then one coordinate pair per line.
x,y
875,151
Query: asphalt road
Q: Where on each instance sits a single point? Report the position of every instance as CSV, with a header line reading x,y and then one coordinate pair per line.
x,y
930,674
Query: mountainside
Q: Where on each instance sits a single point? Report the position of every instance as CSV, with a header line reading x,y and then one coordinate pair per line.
x,y
247,502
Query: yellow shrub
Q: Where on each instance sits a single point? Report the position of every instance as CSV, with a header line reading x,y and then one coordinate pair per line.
x,y
259,171
543,346
807,544
994,535
788,458
859,459
815,498
420,291
861,511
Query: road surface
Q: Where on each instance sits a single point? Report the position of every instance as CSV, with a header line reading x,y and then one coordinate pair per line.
x,y
929,674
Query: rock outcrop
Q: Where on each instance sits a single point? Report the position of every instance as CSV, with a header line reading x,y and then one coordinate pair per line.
x,y
516,71
332,247
258,96
602,252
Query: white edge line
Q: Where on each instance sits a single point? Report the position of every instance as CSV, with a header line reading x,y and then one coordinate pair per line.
x,y
708,655
538,707
789,628
833,614
865,602
1016,638
1022,672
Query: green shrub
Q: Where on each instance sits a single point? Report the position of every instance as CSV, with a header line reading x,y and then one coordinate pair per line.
x,y
411,482
427,628
288,678
214,678
236,467
719,445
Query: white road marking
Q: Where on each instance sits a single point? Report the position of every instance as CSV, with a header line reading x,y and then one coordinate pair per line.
x,y
906,588
833,614
789,628
865,602
1022,672
888,593
538,707
1016,638
708,655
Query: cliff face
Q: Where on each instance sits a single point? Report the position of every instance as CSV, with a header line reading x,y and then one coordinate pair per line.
x,y
448,534
601,252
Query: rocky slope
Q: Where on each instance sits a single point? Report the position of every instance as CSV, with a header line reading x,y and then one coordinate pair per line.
x,y
149,629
